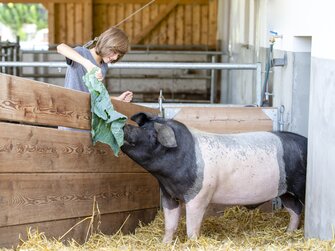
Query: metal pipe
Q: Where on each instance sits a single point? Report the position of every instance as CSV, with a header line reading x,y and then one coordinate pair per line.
x,y
143,65
213,82
134,52
123,76
164,65
259,84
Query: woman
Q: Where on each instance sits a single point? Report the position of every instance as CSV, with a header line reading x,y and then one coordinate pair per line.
x,y
109,47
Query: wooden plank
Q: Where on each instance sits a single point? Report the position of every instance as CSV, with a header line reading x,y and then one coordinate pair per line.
x,y
104,18
225,119
137,21
35,102
111,14
188,24
145,23
212,23
26,148
51,22
62,23
180,25
204,25
196,25
120,16
129,9
62,196
171,23
88,21
99,11
70,23
110,223
79,23
163,27
153,23
154,33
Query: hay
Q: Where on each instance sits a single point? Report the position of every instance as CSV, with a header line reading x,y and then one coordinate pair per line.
x,y
237,229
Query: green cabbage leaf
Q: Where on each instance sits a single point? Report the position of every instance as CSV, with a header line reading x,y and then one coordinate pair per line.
x,y
106,123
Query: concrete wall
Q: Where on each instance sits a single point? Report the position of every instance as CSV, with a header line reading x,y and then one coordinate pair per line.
x,y
305,85
320,204
290,87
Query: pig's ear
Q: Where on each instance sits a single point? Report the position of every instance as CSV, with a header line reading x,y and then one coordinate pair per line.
x,y
165,135
142,117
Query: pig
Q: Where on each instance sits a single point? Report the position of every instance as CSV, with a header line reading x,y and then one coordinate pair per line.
x,y
197,168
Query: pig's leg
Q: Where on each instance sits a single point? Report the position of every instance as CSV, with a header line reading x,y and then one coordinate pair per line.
x,y
195,211
294,207
171,210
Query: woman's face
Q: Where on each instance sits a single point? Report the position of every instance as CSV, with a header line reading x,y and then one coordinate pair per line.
x,y
110,58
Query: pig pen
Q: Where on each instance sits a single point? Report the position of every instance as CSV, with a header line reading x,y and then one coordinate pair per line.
x,y
233,228
53,179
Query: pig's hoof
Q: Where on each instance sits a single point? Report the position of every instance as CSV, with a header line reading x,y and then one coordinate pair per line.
x,y
167,239
193,237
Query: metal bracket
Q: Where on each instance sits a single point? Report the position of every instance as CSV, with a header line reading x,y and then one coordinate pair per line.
x,y
279,61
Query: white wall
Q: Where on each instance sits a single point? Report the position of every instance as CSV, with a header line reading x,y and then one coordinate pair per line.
x,y
313,21
308,40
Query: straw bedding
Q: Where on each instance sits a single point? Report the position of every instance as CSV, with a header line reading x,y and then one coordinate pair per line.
x,y
235,229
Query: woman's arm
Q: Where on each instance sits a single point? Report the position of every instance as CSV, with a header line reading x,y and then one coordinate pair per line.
x,y
72,54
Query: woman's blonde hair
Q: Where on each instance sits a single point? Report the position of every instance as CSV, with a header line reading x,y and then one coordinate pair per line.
x,y
112,40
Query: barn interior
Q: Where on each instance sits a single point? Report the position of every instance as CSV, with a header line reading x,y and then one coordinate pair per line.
x,y
207,63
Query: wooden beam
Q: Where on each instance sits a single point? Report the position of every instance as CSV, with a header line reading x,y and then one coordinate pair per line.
x,y
25,149
68,195
147,29
34,102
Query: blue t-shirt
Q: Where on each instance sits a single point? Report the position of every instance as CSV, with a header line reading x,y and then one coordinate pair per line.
x,y
75,71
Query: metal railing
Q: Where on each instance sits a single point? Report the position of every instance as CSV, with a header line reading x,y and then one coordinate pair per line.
x,y
164,65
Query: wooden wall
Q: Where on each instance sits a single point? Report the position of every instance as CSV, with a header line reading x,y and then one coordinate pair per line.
x,y
181,23
49,178
167,23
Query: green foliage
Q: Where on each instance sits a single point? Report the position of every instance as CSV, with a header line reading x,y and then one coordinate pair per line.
x,y
106,124
16,15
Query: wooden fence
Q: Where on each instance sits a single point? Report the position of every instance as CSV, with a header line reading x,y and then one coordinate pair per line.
x,y
49,178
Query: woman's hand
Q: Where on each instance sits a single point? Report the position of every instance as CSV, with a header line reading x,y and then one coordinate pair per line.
x,y
98,73
127,96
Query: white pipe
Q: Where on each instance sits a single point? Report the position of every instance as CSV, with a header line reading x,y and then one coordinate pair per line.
x,y
143,65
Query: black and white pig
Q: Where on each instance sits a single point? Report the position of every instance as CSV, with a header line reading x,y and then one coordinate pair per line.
x,y
198,168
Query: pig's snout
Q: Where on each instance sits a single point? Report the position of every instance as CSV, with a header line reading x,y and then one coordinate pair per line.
x,y
128,135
